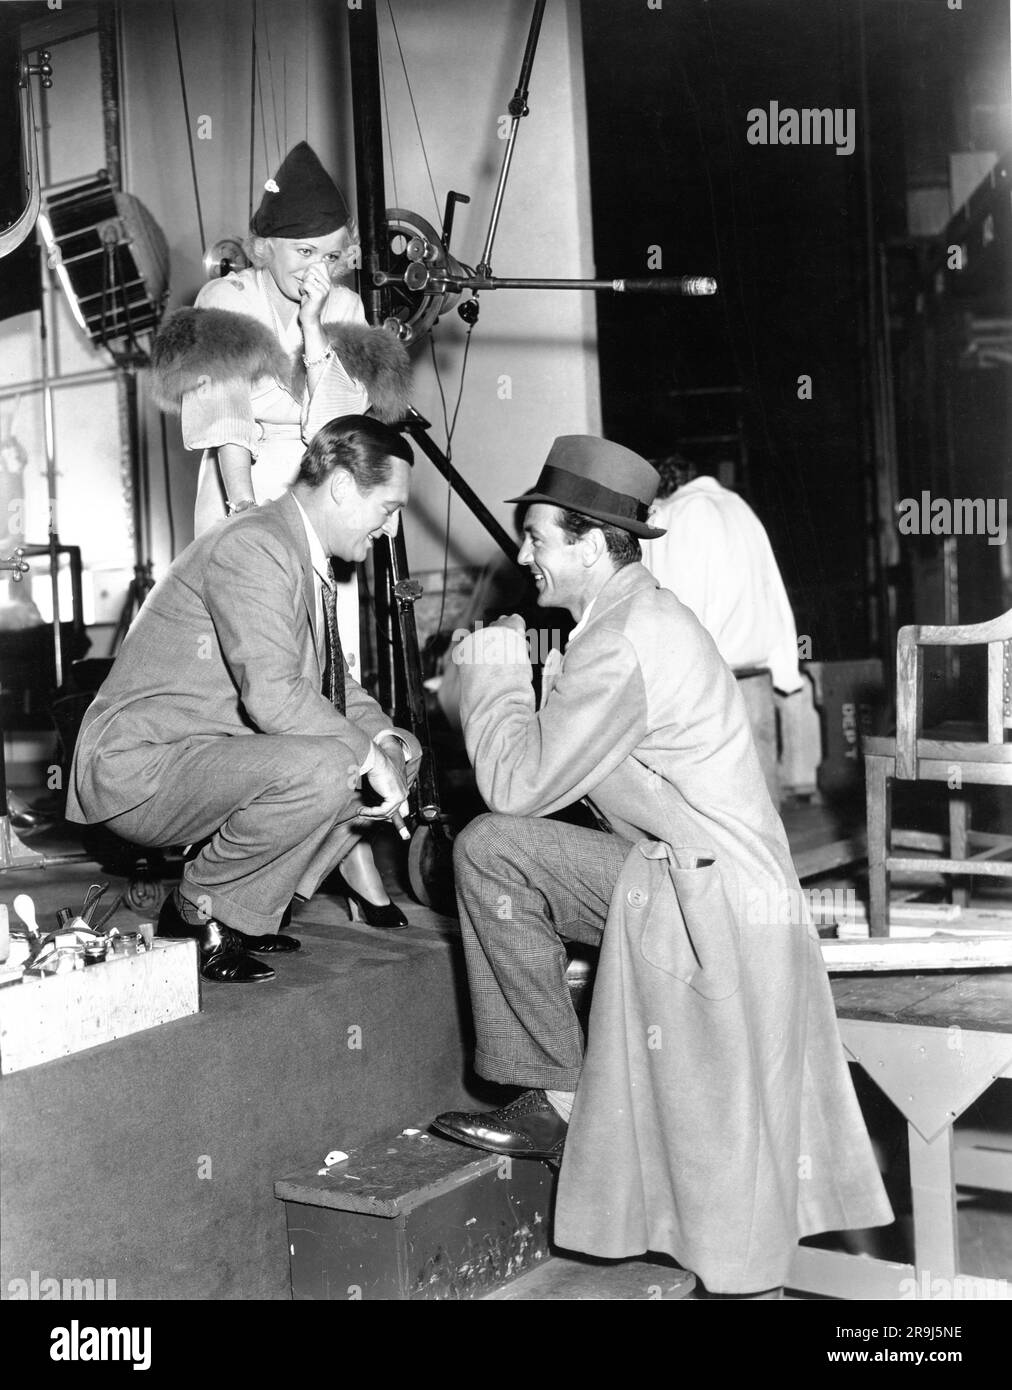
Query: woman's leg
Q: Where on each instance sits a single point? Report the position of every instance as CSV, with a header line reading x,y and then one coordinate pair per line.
x,y
359,871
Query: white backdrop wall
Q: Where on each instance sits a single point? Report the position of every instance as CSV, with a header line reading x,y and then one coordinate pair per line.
x,y
532,369
532,366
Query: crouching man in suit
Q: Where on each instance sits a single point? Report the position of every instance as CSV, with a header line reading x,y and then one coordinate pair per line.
x,y
713,1116
230,716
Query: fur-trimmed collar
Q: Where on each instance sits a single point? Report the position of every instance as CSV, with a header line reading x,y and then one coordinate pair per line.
x,y
216,346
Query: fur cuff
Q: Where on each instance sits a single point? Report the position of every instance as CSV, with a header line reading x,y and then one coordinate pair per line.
x,y
377,359
213,345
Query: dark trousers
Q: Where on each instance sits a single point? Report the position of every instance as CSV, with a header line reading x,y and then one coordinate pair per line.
x,y
524,886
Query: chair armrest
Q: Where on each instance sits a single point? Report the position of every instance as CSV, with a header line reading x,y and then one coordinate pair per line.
x,y
963,635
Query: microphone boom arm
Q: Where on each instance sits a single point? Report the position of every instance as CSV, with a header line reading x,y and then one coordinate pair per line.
x,y
424,281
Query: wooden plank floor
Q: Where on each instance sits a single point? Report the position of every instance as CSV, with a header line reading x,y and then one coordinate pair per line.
x,y
823,837
580,1281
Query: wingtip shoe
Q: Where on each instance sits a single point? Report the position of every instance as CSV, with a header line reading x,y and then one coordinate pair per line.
x,y
529,1127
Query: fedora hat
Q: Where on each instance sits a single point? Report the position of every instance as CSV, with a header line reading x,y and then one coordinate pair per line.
x,y
599,479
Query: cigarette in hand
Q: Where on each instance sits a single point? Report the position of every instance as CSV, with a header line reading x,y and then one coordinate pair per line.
x,y
402,829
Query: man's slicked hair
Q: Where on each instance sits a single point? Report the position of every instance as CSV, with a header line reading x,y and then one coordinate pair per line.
x,y
358,443
623,547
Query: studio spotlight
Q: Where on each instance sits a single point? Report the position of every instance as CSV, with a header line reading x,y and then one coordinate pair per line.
x,y
111,260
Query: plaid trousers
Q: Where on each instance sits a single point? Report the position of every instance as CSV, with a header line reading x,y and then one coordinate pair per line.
x,y
524,886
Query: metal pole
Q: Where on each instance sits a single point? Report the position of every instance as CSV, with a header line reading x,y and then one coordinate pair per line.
x,y
417,428
517,110
49,437
27,388
373,224
371,195
109,78
692,286
370,192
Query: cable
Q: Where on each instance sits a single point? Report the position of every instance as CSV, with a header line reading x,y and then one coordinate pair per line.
x,y
411,97
263,105
274,94
439,384
167,484
263,116
252,107
189,128
449,486
449,427
460,392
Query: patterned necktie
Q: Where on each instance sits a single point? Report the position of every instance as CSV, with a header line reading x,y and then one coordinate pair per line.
x,y
333,675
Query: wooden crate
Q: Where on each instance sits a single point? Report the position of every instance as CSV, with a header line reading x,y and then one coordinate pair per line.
x,y
416,1217
41,1019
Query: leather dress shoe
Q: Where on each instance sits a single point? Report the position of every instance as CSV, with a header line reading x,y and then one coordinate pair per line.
x,y
529,1127
268,944
222,956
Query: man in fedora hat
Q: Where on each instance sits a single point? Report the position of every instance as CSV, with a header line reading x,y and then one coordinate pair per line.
x,y
713,1116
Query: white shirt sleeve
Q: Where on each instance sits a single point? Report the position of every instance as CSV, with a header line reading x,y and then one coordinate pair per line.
x,y
337,393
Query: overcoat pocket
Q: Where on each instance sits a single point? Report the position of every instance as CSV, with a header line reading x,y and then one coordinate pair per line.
x,y
690,933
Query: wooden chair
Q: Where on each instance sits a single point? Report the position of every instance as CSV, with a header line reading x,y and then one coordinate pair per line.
x,y
955,755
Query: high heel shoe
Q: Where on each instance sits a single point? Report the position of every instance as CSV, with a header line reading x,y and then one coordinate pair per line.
x,y
386,915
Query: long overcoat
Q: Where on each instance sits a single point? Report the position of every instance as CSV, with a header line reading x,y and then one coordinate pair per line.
x,y
715,1118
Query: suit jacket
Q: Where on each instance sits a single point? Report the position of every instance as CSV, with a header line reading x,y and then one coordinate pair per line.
x,y
715,1117
224,646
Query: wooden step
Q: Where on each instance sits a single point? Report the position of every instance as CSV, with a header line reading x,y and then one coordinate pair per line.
x,y
415,1217
579,1281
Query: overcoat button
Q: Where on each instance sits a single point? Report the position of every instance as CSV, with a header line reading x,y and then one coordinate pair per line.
x,y
636,897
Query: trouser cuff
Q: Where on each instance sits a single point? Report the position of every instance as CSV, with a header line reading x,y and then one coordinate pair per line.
x,y
532,1074
228,911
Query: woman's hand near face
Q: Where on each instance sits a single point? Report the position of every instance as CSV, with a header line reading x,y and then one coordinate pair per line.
x,y
313,295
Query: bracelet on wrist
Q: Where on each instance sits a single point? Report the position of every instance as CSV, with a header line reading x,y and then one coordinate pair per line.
x,y
247,504
316,361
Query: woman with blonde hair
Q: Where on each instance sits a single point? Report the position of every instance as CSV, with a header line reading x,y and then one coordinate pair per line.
x,y
268,355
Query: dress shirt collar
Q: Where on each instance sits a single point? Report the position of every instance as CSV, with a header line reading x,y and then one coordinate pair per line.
x,y
583,621
317,554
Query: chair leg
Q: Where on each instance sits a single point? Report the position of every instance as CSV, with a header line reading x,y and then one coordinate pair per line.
x,y
959,841
878,793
